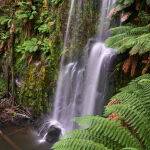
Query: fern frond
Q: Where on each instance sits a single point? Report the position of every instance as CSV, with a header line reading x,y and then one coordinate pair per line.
x,y
111,129
89,135
120,29
131,129
133,39
78,144
142,45
139,124
145,77
134,101
114,39
137,95
128,149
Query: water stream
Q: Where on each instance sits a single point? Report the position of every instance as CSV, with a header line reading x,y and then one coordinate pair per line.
x,y
84,83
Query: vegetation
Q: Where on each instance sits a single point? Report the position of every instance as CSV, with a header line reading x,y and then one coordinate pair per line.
x,y
82,27
30,49
125,122
31,43
31,37
133,36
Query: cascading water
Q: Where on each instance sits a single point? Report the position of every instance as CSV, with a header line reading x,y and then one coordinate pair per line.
x,y
70,85
104,19
97,79
84,83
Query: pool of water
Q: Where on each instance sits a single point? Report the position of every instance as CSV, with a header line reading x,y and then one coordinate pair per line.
x,y
25,138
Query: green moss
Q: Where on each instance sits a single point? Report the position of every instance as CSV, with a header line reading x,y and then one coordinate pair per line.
x,y
38,38
3,86
33,93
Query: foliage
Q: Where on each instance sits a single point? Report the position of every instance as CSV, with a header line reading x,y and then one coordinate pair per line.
x,y
82,28
26,12
32,93
123,5
37,36
124,125
46,23
28,46
56,2
132,38
33,45
4,20
3,86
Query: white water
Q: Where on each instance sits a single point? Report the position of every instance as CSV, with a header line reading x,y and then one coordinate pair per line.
x,y
82,89
68,95
68,23
104,19
97,78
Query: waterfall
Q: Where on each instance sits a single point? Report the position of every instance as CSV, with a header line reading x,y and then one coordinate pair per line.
x,y
68,95
104,19
84,83
97,78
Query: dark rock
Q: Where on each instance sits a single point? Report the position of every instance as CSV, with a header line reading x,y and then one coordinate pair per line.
x,y
53,134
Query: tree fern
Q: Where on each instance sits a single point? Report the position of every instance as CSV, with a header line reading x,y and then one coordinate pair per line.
x,y
111,130
145,77
133,101
89,135
137,95
77,144
139,124
120,5
131,129
129,148
133,39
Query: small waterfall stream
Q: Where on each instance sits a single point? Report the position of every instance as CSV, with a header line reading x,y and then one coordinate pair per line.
x,y
104,20
97,79
85,83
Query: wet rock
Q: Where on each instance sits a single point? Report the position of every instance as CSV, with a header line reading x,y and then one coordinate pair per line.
x,y
53,134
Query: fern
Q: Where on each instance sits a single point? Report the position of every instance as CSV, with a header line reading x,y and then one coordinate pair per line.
x,y
4,20
131,129
122,4
137,95
145,77
136,120
77,144
129,148
26,12
28,46
134,36
133,39
110,129
34,45
120,30
89,135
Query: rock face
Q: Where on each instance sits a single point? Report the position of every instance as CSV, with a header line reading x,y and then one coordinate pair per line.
x,y
53,134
